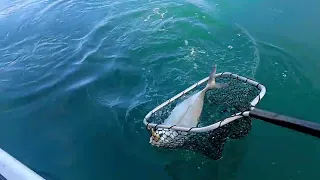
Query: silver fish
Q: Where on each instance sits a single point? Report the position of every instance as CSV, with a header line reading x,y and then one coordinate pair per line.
x,y
186,113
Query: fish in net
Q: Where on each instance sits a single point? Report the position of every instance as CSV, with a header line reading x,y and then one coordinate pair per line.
x,y
220,111
213,129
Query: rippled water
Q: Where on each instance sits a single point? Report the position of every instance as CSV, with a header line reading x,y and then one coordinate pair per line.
x,y
77,78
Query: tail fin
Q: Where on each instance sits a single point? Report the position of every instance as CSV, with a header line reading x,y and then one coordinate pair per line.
x,y
212,80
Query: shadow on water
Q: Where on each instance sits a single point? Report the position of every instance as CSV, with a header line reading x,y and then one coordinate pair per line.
x,y
182,164
198,167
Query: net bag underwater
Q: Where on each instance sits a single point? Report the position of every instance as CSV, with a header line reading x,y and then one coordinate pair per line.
x,y
227,113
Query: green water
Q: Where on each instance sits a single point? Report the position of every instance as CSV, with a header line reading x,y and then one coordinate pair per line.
x,y
75,74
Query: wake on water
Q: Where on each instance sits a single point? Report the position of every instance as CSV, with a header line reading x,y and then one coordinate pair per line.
x,y
127,67
165,47
178,50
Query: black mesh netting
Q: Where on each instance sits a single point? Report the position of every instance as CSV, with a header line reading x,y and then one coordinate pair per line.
x,y
218,105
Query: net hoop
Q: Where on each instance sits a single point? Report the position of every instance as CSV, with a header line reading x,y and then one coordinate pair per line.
x,y
218,124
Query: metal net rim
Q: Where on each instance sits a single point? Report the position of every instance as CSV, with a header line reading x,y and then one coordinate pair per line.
x,y
218,124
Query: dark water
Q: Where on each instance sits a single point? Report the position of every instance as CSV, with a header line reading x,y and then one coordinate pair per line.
x,y
74,75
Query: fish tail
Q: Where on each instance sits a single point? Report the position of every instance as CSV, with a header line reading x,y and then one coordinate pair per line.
x,y
212,80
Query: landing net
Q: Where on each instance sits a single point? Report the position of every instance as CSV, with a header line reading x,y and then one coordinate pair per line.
x,y
221,116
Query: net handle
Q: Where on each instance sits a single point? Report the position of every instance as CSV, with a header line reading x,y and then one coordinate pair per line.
x,y
306,127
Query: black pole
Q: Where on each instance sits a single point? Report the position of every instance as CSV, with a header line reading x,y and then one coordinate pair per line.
x,y
303,126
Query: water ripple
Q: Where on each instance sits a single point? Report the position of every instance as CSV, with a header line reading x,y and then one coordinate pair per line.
x,y
123,57
15,7
52,5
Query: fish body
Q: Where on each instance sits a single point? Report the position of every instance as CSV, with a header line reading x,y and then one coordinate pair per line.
x,y
185,114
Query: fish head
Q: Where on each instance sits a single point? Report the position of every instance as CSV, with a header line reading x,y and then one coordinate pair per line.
x,y
165,138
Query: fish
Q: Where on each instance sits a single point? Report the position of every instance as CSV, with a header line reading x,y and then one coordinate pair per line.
x,y
186,114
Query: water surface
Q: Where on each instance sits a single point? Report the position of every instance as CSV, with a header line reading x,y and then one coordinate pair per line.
x,y
77,78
